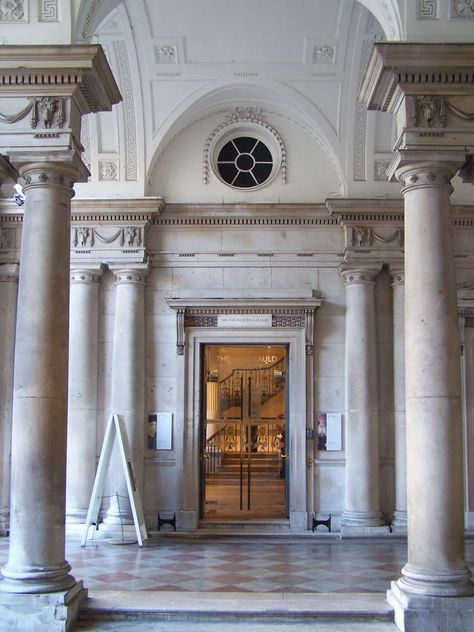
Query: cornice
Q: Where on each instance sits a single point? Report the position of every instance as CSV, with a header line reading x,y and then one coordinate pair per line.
x,y
366,210
113,211
443,67
79,71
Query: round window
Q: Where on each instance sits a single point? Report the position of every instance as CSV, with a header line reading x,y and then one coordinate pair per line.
x,y
245,155
244,162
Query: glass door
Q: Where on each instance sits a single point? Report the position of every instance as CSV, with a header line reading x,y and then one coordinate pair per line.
x,y
243,433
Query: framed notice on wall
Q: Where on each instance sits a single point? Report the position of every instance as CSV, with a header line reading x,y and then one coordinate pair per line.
x,y
329,431
160,431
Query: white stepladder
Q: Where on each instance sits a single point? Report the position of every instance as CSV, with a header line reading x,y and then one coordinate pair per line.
x,y
115,430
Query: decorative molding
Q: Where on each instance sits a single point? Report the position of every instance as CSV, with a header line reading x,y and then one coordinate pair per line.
x,y
286,313
381,169
13,11
127,237
244,221
86,141
360,130
49,11
428,111
364,236
108,170
129,111
324,54
234,118
94,5
462,9
46,112
166,54
427,10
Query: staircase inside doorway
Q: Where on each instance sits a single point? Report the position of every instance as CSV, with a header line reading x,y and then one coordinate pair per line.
x,y
244,470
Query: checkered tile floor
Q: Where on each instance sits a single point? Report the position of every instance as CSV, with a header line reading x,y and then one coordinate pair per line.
x,y
238,566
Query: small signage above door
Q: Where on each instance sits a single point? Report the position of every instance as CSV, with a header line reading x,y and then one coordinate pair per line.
x,y
244,320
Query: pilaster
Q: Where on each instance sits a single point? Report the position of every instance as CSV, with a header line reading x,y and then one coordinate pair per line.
x,y
82,391
399,520
8,298
362,502
128,381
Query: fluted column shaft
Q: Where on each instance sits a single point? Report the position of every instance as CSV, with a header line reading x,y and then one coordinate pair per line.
x,y
398,285
36,560
362,502
436,558
128,378
8,298
82,414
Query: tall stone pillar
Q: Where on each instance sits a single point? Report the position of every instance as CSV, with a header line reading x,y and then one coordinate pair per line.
x,y
8,298
362,502
399,520
128,382
82,413
429,87
42,143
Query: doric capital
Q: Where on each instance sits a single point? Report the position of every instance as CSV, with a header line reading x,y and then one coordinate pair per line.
x,y
132,274
360,274
420,169
85,276
9,273
397,272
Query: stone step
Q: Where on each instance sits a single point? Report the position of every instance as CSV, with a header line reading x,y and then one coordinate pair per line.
x,y
256,610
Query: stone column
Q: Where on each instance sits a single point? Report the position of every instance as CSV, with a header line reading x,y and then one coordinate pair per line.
x,y
362,503
436,563
128,381
38,469
8,297
55,86
82,414
399,520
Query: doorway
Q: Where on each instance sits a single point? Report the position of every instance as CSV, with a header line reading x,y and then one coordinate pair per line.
x,y
244,433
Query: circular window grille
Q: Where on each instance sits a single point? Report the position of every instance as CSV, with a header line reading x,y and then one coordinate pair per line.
x,y
245,155
244,162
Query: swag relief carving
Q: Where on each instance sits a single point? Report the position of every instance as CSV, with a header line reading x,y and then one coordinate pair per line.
x,y
365,237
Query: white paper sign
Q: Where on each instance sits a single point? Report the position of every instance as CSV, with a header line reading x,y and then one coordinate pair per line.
x,y
244,320
334,431
164,431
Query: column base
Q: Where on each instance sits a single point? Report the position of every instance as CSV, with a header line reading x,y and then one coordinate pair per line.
x,y
49,579
4,522
48,612
421,613
363,523
400,522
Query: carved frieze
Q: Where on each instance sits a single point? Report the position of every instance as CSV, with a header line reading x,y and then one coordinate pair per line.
x,y
462,9
428,111
368,237
125,237
13,11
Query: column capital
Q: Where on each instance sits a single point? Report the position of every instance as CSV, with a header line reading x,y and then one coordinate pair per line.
x,y
397,272
360,274
9,273
130,274
84,275
419,169
8,173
